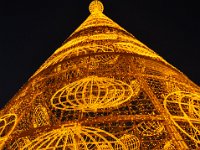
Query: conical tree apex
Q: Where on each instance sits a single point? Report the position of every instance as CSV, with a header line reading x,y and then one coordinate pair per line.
x,y
103,90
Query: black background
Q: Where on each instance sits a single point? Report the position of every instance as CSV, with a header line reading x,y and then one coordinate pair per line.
x,y
30,31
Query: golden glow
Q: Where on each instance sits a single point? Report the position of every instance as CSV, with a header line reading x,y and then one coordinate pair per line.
x,y
75,137
19,143
130,141
169,145
92,93
103,90
150,128
88,43
7,124
96,7
188,110
40,117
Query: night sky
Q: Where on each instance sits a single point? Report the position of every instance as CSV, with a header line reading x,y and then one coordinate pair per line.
x,y
31,31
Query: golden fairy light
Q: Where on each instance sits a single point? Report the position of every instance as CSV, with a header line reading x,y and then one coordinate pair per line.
x,y
7,124
103,90
188,110
92,93
130,141
75,136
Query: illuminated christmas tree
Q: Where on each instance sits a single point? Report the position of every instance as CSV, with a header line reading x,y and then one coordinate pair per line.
x,y
103,90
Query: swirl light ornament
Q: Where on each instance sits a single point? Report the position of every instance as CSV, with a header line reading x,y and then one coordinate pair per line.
x,y
130,141
7,124
92,93
98,60
150,128
75,137
40,116
186,108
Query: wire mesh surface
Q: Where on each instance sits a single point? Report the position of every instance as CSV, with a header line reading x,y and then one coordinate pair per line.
x,y
75,136
92,93
103,89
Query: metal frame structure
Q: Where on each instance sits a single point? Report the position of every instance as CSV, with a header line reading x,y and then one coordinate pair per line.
x,y
103,90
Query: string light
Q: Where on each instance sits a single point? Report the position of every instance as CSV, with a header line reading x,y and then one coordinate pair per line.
x,y
103,90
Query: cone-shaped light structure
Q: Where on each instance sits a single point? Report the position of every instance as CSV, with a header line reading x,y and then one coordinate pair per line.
x,y
103,89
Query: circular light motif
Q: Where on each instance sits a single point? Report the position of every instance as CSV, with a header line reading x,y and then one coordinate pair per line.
x,y
96,6
75,137
130,141
185,107
40,117
92,93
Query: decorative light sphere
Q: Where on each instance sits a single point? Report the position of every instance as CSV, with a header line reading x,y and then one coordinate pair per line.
x,y
93,93
96,6
75,137
130,141
187,109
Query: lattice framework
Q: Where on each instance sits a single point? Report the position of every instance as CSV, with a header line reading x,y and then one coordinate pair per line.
x,y
103,89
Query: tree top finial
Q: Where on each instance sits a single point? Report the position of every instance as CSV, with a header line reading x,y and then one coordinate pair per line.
x,y
96,6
